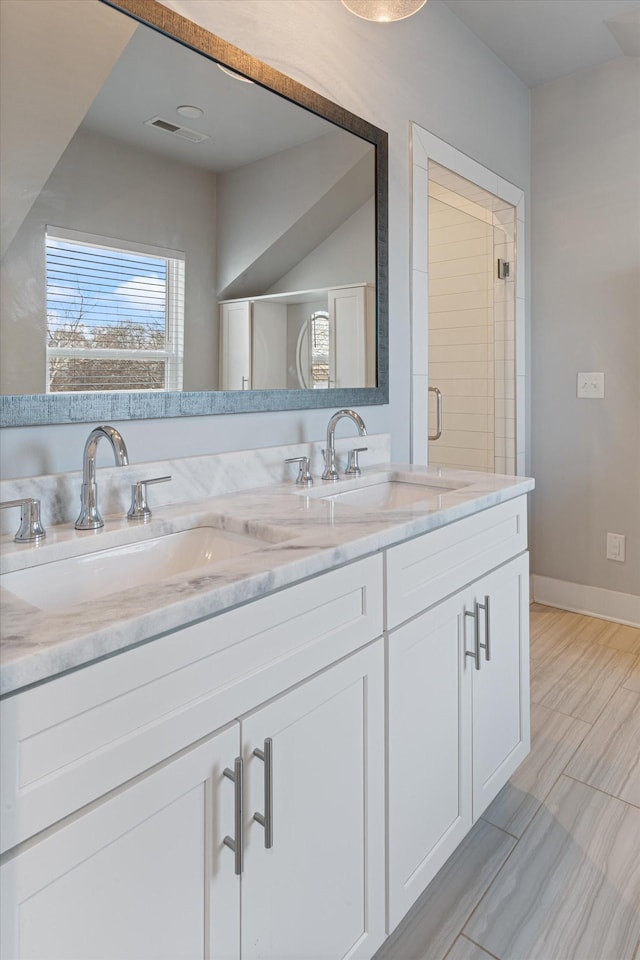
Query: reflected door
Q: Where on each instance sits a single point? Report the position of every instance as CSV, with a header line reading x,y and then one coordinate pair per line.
x,y
235,346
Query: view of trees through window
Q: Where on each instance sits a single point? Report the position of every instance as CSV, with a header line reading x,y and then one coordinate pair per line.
x,y
114,318
320,349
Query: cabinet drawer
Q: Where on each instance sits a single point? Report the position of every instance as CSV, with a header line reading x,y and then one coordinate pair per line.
x,y
71,740
423,571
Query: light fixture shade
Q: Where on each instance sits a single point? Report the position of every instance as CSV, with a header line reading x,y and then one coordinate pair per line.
x,y
383,11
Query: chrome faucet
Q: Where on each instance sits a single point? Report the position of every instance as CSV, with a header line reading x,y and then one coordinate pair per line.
x,y
330,472
90,518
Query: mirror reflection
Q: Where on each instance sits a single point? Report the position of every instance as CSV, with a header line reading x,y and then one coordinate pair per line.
x,y
198,233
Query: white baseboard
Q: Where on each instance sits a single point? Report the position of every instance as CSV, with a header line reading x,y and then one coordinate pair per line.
x,y
591,601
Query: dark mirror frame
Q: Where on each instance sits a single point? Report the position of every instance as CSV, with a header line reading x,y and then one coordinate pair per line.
x,y
34,409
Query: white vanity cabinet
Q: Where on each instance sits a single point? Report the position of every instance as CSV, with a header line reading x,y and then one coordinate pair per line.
x,y
143,869
458,675
142,874
429,809
146,871
500,688
220,791
318,890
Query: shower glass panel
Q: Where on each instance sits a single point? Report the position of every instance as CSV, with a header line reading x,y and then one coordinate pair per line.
x,y
471,324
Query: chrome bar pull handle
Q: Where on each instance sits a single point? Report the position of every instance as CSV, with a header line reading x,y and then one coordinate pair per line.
x,y
236,843
266,819
486,646
475,653
438,433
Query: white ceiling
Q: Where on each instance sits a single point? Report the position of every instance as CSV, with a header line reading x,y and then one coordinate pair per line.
x,y
542,40
243,122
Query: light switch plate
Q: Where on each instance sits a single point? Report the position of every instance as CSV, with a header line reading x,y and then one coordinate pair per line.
x,y
616,543
591,386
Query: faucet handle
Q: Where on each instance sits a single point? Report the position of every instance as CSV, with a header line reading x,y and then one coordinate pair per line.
x,y
353,467
304,477
139,509
31,529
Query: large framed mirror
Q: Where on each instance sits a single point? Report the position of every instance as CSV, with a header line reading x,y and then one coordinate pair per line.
x,y
185,230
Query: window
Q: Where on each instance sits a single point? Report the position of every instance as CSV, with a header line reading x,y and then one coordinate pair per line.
x,y
115,315
320,350
313,352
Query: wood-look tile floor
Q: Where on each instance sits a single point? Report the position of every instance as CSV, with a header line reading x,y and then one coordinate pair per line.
x,y
552,869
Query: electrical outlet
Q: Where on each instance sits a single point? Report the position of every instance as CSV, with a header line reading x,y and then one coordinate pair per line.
x,y
616,546
591,386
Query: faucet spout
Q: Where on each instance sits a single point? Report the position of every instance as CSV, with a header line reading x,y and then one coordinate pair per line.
x,y
331,472
90,517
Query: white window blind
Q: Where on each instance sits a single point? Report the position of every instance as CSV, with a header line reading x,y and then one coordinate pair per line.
x,y
115,315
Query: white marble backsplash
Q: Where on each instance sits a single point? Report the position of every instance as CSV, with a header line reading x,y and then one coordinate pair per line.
x,y
193,478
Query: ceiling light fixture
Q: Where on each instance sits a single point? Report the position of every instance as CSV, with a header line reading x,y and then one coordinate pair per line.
x,y
384,11
232,73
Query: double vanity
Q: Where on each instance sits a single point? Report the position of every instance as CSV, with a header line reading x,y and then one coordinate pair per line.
x,y
258,724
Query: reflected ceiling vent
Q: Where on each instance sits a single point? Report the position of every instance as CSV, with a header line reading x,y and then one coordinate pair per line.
x,y
186,133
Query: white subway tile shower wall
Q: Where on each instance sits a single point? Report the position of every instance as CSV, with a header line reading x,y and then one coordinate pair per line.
x,y
461,348
471,323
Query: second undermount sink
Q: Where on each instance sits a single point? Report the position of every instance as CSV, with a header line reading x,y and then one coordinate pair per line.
x,y
389,491
80,579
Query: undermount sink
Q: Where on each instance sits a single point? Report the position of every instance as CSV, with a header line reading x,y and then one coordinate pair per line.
x,y
63,583
388,492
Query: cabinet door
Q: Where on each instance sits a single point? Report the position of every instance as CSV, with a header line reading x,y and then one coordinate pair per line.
x,y
269,346
143,873
318,891
428,743
235,346
500,688
352,325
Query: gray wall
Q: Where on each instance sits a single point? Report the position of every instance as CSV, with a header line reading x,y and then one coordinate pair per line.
x,y
430,69
586,317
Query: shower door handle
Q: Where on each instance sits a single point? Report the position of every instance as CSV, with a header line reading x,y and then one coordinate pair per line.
x,y
438,433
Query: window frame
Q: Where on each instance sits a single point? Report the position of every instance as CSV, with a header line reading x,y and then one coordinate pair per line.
x,y
174,309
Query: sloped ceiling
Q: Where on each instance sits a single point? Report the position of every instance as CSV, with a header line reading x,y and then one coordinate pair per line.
x,y
43,98
543,40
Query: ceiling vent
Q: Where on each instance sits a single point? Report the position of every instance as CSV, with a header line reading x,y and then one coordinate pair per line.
x,y
184,132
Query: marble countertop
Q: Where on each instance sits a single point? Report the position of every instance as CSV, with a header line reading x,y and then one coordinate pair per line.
x,y
300,535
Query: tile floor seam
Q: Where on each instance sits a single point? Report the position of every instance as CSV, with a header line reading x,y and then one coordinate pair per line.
x,y
540,703
470,914
604,705
498,872
554,782
479,946
514,848
497,878
611,796
508,832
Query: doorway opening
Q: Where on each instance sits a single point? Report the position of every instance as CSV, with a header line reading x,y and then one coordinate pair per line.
x,y
468,324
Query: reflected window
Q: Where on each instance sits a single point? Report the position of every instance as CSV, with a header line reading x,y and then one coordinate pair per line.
x,y
115,315
320,342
